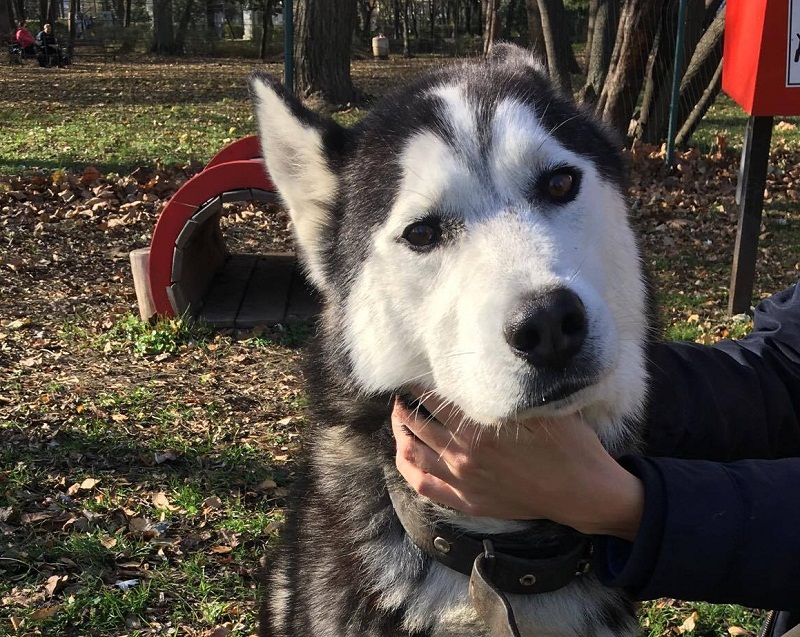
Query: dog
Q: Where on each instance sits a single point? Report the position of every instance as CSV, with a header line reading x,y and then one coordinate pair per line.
x,y
470,237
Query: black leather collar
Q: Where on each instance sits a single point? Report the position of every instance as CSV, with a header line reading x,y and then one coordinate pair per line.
x,y
520,566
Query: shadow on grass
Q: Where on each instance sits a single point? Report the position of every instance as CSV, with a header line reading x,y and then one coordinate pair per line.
x,y
76,455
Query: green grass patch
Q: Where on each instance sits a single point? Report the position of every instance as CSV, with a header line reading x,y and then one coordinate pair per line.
x,y
661,618
166,336
725,122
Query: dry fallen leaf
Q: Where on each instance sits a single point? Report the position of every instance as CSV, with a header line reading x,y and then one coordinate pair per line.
x,y
88,484
138,525
212,502
44,613
737,631
220,549
53,582
688,624
160,501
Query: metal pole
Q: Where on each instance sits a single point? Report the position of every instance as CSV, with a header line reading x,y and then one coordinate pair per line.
x,y
288,46
676,82
750,197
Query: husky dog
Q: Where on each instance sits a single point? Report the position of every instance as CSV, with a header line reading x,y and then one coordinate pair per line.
x,y
469,237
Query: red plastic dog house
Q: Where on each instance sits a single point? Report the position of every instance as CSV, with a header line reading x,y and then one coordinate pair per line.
x,y
761,72
190,269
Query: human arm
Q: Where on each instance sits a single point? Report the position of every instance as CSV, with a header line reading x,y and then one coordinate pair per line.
x,y
721,515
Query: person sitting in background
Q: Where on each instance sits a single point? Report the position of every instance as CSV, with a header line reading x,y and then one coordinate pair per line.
x,y
25,40
49,50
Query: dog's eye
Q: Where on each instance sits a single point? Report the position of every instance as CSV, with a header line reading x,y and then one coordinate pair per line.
x,y
422,235
561,185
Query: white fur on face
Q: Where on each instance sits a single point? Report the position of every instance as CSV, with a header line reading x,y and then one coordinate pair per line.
x,y
437,319
293,153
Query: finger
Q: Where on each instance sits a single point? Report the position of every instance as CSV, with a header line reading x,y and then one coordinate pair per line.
x,y
429,485
428,430
444,412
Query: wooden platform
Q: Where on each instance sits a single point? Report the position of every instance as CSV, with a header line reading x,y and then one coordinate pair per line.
x,y
252,289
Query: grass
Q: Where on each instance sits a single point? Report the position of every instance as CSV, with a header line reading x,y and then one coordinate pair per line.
x,y
119,116
122,115
161,452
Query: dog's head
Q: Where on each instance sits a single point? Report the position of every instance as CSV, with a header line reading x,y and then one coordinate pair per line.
x,y
469,236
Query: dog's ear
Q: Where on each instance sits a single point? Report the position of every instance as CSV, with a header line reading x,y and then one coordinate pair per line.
x,y
513,55
299,149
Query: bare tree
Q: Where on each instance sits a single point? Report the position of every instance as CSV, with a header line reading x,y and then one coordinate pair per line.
x,y
163,33
266,27
556,43
183,26
73,15
637,24
491,24
6,18
535,33
324,30
705,63
602,32
406,43
366,8
651,125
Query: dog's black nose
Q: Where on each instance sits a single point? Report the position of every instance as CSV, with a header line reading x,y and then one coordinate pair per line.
x,y
547,329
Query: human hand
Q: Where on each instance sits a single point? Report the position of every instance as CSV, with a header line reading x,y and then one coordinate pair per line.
x,y
539,468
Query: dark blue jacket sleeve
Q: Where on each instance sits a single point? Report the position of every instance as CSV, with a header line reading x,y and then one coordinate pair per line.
x,y
721,521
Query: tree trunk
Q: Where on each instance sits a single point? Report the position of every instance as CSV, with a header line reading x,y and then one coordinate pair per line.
x,y
406,44
593,8
183,26
455,12
490,24
556,43
705,63
163,33
603,34
432,18
73,16
700,109
366,8
324,30
635,33
535,33
128,12
7,26
396,4
653,118
266,28
511,11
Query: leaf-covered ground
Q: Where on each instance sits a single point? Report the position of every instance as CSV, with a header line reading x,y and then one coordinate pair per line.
x,y
143,468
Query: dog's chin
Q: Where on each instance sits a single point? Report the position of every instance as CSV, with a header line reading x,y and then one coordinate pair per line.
x,y
562,400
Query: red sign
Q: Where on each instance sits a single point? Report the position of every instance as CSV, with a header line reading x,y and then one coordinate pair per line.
x,y
761,59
